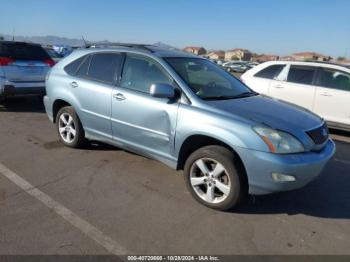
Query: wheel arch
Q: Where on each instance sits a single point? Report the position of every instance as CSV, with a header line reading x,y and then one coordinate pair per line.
x,y
194,142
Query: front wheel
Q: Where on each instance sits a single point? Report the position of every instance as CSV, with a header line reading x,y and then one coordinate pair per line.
x,y
69,128
213,179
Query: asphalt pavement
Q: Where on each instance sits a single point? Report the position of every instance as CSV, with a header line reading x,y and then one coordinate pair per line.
x,y
102,200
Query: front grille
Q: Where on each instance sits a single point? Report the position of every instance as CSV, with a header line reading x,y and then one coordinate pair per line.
x,y
319,135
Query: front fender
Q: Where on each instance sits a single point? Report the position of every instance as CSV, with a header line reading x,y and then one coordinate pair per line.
x,y
233,132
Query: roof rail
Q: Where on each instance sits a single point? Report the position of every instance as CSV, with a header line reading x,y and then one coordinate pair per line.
x,y
112,44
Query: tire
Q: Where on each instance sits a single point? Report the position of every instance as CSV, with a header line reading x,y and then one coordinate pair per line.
x,y
231,180
70,131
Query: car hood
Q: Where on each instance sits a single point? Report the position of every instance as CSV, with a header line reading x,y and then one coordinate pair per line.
x,y
271,112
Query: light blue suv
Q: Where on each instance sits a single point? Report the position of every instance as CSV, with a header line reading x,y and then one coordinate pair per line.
x,y
190,114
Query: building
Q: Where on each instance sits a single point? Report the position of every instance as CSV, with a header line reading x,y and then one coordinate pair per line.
x,y
287,58
238,54
311,56
217,55
195,50
265,58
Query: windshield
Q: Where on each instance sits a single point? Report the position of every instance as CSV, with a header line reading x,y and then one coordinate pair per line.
x,y
207,80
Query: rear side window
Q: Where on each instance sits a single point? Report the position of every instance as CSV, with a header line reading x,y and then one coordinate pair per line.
x,y
72,68
270,72
103,67
334,79
301,75
23,51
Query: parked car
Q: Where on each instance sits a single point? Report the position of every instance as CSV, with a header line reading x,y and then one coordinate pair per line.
x,y
23,67
238,67
320,87
53,54
190,114
252,64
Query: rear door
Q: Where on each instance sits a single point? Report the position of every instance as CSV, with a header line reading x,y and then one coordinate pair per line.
x,y
260,81
92,87
298,88
332,99
28,62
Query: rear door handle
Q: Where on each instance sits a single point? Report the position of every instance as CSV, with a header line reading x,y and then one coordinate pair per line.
x,y
278,86
325,94
119,96
74,84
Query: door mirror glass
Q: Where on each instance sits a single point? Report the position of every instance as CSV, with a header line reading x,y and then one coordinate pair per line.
x,y
162,91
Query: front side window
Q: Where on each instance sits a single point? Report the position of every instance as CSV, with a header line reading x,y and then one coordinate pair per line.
x,y
103,67
270,72
334,79
301,75
140,72
207,80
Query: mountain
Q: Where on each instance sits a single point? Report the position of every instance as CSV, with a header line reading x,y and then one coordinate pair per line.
x,y
57,40
48,40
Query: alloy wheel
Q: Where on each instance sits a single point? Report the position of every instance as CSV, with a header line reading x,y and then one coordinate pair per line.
x,y
66,128
210,180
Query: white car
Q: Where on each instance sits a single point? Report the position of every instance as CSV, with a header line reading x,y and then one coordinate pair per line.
x,y
320,87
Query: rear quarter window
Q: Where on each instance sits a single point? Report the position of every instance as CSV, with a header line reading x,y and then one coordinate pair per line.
x,y
72,68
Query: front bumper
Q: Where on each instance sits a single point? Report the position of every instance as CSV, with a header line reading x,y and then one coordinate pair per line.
x,y
305,167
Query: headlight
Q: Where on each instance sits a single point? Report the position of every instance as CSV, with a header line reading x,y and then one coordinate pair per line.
x,y
279,142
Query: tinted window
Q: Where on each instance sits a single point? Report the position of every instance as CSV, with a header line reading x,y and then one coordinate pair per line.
x,y
334,79
301,75
270,72
103,67
83,68
23,51
140,73
207,80
72,68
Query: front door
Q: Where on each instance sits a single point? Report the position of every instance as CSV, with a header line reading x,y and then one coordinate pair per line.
x,y
138,119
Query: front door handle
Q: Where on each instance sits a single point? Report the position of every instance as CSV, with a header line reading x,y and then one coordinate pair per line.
x,y
119,96
74,84
325,94
278,86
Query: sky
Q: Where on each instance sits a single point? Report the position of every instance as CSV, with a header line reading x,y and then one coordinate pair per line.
x,y
263,26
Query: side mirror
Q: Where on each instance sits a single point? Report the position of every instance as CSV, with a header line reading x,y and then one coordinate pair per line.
x,y
162,91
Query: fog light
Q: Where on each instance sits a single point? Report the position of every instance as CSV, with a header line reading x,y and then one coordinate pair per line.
x,y
282,178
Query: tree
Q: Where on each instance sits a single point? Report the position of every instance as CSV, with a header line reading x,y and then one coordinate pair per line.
x,y
1,38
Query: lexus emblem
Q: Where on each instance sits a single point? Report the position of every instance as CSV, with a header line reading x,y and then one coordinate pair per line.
x,y
324,132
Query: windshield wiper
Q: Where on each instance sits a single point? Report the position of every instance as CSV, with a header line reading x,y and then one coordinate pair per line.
x,y
245,94
242,95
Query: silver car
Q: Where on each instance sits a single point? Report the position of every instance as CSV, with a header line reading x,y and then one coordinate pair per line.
x,y
190,114
23,67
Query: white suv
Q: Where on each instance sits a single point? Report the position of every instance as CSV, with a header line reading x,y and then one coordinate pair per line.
x,y
320,87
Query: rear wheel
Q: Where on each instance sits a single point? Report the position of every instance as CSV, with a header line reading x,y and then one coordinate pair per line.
x,y
69,128
213,179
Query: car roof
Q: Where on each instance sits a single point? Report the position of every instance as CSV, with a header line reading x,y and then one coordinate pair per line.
x,y
137,48
311,63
